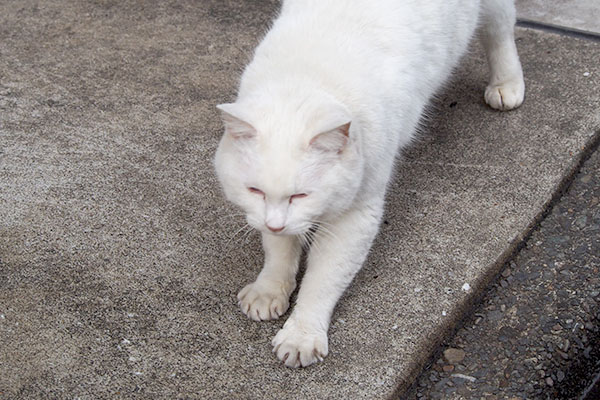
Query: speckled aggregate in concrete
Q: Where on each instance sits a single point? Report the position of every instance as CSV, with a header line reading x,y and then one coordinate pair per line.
x,y
118,273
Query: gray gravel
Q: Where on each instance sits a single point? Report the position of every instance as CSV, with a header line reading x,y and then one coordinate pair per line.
x,y
535,334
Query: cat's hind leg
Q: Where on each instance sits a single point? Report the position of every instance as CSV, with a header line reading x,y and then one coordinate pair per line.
x,y
506,88
268,297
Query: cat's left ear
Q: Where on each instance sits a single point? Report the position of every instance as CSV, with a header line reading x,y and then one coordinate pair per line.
x,y
333,140
234,122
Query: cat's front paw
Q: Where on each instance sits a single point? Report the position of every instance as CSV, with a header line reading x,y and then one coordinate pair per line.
x,y
263,300
299,345
505,96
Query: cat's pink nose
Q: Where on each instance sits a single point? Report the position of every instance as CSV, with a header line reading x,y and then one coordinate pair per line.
x,y
279,229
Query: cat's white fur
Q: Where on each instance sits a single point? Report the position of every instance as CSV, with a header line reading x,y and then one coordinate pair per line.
x,y
334,90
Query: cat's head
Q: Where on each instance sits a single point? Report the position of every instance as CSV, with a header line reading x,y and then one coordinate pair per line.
x,y
288,166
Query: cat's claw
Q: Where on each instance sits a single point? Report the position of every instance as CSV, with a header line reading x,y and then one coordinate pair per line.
x,y
297,347
263,301
505,96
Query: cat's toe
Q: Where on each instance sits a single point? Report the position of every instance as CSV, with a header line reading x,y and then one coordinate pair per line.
x,y
297,347
506,96
261,302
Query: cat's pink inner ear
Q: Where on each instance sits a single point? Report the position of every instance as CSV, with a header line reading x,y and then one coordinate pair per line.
x,y
334,140
234,125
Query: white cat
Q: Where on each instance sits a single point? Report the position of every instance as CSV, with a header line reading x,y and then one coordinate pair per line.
x,y
333,91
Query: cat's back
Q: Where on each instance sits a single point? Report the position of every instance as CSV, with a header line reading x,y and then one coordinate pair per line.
x,y
344,42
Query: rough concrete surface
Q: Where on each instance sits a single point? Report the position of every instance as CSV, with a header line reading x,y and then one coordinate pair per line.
x,y
118,271
582,15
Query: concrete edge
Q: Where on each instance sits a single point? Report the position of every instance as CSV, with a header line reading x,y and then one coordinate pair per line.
x,y
557,29
457,319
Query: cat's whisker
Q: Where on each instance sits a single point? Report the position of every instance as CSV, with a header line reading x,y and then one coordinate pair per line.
x,y
324,230
312,242
247,234
322,224
235,234
304,241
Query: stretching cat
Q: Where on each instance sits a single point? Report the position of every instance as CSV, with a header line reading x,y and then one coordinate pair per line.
x,y
334,90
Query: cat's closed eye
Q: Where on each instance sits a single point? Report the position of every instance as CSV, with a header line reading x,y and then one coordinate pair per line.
x,y
297,196
256,191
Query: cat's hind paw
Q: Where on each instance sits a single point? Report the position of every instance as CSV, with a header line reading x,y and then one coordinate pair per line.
x,y
505,96
298,347
263,301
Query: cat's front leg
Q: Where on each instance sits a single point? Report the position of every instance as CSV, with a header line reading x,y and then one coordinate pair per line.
x,y
336,255
268,296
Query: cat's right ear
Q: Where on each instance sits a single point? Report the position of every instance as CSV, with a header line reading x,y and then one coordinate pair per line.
x,y
234,124
333,140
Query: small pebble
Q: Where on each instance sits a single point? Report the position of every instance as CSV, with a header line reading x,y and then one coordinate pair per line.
x,y
448,368
542,373
454,356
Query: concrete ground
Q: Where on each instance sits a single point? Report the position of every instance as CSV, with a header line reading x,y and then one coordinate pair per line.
x,y
119,263
580,15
